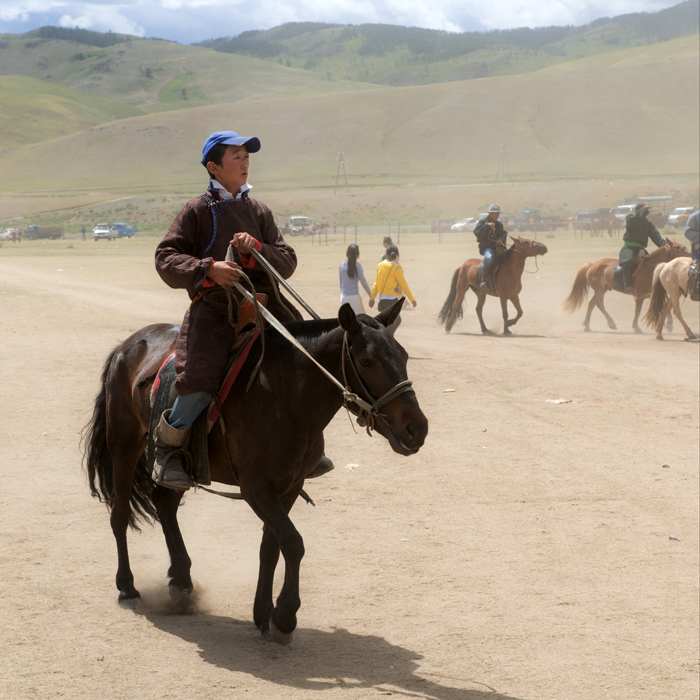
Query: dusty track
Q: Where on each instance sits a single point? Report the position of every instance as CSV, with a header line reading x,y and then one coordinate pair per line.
x,y
523,554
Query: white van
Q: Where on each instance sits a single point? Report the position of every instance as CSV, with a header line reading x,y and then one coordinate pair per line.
x,y
674,218
622,211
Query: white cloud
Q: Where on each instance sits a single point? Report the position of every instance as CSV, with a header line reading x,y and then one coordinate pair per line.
x,y
102,18
190,21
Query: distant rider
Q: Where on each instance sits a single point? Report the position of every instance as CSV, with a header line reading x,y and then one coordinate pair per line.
x,y
488,232
638,231
692,233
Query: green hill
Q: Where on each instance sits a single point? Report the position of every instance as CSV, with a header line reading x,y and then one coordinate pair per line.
x,y
616,114
393,55
155,75
33,110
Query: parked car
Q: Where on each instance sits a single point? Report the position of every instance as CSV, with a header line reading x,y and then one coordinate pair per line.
x,y
123,230
622,211
465,224
679,216
34,232
103,231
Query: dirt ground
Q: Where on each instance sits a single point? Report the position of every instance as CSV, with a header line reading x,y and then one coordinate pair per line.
x,y
531,551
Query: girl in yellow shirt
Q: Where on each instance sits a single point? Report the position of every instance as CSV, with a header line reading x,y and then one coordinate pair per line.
x,y
390,285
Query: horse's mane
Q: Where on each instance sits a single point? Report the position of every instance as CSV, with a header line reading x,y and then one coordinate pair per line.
x,y
310,330
307,331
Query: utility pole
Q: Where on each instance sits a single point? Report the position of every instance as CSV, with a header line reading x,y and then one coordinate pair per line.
x,y
503,166
341,163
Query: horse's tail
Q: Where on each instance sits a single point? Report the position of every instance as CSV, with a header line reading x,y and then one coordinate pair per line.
x,y
446,310
579,291
657,299
98,464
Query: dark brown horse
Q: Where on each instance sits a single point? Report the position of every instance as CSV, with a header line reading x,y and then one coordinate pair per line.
x,y
599,277
506,284
273,439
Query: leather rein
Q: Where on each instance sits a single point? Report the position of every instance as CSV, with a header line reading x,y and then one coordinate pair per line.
x,y
366,413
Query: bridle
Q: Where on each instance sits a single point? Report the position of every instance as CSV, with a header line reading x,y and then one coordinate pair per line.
x,y
366,413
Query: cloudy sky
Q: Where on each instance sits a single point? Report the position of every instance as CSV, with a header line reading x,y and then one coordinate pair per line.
x,y
188,21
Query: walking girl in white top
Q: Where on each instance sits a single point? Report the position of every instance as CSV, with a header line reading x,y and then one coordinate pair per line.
x,y
350,274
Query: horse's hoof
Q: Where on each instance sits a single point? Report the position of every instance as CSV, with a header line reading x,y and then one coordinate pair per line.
x,y
586,329
272,634
128,600
638,331
659,337
180,595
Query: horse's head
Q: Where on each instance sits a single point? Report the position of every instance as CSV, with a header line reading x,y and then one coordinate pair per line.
x,y
375,370
527,247
678,250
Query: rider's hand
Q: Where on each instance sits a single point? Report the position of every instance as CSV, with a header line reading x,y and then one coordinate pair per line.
x,y
415,303
244,242
492,224
224,273
371,303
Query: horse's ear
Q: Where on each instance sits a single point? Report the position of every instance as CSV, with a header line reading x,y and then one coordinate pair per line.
x,y
386,318
347,318
669,242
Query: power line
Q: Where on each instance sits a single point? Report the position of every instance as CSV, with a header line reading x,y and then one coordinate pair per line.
x,y
503,166
341,163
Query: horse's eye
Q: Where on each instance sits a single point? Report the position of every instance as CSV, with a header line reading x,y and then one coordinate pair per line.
x,y
365,364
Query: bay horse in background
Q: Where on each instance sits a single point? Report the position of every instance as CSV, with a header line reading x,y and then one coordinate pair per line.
x,y
273,439
670,282
599,277
506,280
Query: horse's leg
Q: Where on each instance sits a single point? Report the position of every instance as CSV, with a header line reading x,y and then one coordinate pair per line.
x,y
269,556
587,321
480,301
598,298
282,620
125,457
677,311
519,309
504,313
637,310
167,502
664,314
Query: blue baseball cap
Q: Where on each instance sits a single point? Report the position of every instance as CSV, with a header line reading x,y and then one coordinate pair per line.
x,y
229,138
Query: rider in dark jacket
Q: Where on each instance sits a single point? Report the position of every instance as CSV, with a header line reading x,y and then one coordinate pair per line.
x,y
638,231
488,232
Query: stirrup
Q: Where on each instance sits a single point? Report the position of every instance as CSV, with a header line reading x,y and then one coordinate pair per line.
x,y
173,477
323,467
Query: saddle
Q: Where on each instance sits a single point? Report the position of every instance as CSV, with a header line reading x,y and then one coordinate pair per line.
x,y
618,275
163,395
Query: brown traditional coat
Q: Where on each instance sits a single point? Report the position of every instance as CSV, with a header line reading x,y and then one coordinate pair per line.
x,y
200,234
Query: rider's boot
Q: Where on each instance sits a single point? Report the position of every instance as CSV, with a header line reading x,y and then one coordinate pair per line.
x,y
485,274
628,284
323,467
170,456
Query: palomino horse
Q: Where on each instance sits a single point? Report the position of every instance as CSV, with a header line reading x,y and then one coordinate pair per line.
x,y
599,277
273,439
669,283
506,283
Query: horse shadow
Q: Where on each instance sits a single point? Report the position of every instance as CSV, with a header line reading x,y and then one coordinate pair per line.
x,y
479,334
317,660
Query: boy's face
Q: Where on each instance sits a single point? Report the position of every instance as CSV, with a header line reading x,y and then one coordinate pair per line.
x,y
233,171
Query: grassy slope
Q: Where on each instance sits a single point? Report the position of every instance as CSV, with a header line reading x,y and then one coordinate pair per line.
x,y
616,114
151,74
33,111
